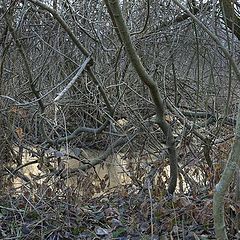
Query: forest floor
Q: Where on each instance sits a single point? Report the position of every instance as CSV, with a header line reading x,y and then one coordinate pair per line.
x,y
120,214
48,208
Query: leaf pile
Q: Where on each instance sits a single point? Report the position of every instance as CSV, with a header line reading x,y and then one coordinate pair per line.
x,y
121,214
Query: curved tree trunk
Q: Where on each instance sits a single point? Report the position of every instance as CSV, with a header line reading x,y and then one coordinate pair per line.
x,y
122,30
232,21
233,161
224,183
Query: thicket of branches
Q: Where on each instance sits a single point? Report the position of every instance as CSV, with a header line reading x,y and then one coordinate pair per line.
x,y
67,82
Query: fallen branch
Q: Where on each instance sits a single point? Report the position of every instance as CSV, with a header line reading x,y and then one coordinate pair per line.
x,y
95,161
76,133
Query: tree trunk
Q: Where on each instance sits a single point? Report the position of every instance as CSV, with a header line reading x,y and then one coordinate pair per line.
x,y
224,183
230,17
118,21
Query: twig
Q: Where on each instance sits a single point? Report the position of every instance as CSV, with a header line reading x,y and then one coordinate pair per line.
x,y
74,79
151,206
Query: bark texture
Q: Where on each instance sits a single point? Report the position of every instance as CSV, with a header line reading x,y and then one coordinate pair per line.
x,y
116,15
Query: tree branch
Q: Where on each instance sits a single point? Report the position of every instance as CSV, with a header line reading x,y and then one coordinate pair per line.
x,y
115,10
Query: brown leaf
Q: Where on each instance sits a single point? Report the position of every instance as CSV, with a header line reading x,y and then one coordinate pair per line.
x,y
19,132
